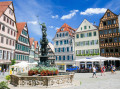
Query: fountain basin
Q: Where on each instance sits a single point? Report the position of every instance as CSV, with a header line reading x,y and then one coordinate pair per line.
x,y
56,80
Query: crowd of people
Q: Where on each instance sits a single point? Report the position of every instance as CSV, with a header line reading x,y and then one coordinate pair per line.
x,y
103,70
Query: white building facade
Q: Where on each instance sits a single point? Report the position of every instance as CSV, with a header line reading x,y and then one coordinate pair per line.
x,y
86,43
64,50
8,33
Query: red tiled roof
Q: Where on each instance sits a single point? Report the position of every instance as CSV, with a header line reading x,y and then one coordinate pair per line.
x,y
20,27
3,6
31,40
35,44
66,28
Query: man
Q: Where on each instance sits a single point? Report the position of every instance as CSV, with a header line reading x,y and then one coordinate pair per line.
x,y
94,72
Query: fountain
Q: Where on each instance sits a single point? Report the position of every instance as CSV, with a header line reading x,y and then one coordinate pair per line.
x,y
43,74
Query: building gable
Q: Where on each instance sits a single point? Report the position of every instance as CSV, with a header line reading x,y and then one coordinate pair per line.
x,y
85,26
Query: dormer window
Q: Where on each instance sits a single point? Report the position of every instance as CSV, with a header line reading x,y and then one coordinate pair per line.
x,y
108,14
62,29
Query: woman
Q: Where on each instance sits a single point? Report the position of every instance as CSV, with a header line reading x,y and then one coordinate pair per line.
x,y
101,70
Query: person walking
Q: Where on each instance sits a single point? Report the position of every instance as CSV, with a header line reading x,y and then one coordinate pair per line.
x,y
4,71
101,69
113,68
94,72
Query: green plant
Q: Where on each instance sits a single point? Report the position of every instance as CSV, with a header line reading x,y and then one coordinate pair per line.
x,y
7,77
4,85
13,61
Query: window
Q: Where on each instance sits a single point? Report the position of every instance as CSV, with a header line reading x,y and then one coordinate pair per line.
x,y
111,50
116,50
106,40
109,22
114,30
56,42
105,31
101,32
56,57
63,34
77,35
86,34
82,35
66,33
108,14
11,32
63,49
107,50
95,42
62,29
60,42
64,41
90,34
59,57
71,48
96,51
94,33
102,50
85,27
63,57
67,57
8,55
10,42
110,31
67,41
86,42
83,52
115,39
4,18
110,40
60,34
119,39
8,30
4,55
0,26
87,51
81,28
101,40
89,27
104,23
59,50
0,54
14,34
3,28
2,39
67,49
113,21
90,42
6,41
57,35
13,24
91,51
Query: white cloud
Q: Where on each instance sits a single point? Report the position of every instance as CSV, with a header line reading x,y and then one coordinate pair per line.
x,y
90,11
51,26
56,28
32,22
55,17
70,15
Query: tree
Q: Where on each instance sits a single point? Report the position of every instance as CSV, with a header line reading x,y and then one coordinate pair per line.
x,y
13,61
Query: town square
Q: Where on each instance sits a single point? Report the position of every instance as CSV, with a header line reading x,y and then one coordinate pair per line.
x,y
58,44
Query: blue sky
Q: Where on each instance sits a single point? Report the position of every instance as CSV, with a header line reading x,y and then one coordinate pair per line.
x,y
57,12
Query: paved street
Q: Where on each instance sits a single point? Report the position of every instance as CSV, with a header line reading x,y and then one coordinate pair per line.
x,y
85,81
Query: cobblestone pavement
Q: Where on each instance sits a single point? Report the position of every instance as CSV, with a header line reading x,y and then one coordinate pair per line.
x,y
85,81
